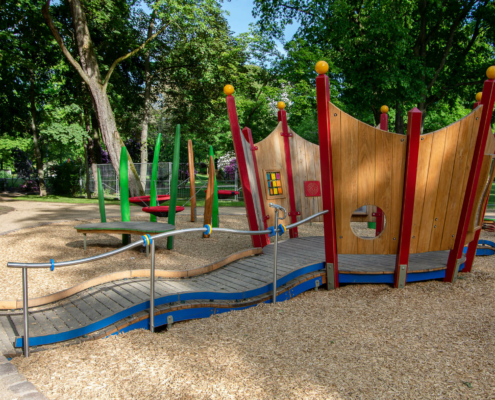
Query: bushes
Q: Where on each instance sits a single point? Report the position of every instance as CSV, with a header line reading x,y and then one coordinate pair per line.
x,y
66,179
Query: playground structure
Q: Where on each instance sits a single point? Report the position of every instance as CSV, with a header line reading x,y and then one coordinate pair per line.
x,y
430,190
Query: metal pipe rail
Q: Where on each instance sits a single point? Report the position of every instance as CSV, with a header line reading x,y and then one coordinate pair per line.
x,y
276,230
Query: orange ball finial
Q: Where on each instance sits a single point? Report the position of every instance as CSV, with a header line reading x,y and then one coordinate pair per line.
x,y
384,109
228,89
280,105
490,72
321,67
478,96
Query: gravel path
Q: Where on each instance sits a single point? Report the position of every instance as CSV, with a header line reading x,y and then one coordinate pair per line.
x,y
431,340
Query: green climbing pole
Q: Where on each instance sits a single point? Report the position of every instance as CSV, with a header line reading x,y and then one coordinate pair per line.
x,y
214,215
174,183
101,199
154,176
124,192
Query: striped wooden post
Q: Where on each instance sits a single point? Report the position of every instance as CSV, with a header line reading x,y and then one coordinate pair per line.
x,y
414,118
293,213
487,100
241,164
329,227
265,239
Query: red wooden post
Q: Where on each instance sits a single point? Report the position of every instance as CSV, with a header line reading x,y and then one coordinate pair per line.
x,y
265,240
384,118
293,213
413,138
487,100
473,246
241,165
323,107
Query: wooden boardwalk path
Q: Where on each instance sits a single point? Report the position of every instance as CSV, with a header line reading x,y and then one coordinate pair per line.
x,y
124,305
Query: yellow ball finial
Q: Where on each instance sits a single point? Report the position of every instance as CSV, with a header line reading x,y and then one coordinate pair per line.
x,y
321,67
384,109
228,89
280,105
490,72
478,96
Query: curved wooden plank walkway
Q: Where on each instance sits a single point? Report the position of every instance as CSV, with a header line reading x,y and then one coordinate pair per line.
x,y
123,305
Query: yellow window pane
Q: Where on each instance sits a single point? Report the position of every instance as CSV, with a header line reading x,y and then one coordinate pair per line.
x,y
273,175
275,191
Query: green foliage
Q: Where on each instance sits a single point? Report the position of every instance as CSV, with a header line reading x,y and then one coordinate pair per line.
x,y
66,178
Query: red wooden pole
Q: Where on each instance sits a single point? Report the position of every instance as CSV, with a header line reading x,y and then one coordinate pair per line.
x,y
487,100
329,227
384,118
413,138
473,246
241,165
293,213
265,240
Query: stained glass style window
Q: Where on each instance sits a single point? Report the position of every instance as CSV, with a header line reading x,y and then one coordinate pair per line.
x,y
274,183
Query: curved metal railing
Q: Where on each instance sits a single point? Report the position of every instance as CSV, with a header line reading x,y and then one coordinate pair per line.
x,y
273,231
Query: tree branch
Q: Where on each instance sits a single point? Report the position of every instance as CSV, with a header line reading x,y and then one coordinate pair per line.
x,y
136,50
46,14
297,9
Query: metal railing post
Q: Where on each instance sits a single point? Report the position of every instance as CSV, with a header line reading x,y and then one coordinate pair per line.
x,y
25,299
152,288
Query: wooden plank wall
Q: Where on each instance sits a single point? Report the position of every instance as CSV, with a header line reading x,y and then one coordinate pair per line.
x,y
368,169
443,169
271,156
252,181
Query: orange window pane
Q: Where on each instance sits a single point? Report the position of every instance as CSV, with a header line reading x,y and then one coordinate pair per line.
x,y
279,190
271,191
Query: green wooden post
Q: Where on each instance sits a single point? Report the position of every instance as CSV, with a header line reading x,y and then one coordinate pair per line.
x,y
214,215
101,199
154,176
124,192
173,187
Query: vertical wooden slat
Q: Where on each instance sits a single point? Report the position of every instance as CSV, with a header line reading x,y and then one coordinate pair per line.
x,y
335,116
295,142
366,176
318,178
399,146
428,222
383,186
444,185
349,179
421,179
455,197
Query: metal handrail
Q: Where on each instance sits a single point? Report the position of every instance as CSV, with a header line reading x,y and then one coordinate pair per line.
x,y
274,231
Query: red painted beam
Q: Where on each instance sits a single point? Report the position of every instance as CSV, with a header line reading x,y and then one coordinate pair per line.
x,y
243,170
413,138
329,227
384,122
487,100
265,240
282,116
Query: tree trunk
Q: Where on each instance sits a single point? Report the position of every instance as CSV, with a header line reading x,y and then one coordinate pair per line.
x,y
147,94
90,72
37,151
94,149
86,145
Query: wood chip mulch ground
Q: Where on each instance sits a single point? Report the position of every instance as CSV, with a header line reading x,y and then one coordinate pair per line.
x,y
431,340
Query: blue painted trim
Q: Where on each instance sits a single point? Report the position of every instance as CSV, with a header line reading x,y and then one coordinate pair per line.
x,y
208,229
281,228
482,252
95,326
272,231
53,264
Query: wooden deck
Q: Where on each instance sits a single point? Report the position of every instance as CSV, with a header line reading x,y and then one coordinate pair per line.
x,y
124,305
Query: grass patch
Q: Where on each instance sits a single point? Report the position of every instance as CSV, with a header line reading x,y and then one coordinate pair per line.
x,y
61,199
